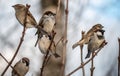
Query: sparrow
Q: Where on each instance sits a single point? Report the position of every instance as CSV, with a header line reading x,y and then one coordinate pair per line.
x,y
87,36
46,24
47,21
20,12
44,44
21,67
95,42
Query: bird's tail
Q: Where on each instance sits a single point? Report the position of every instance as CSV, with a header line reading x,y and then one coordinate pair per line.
x,y
81,42
75,45
88,54
56,55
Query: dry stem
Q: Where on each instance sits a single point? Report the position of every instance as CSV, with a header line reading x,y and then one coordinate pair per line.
x,y
103,44
8,63
61,39
81,48
92,65
20,43
46,56
83,70
65,41
5,60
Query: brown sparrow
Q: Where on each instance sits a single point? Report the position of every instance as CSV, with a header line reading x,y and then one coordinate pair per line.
x,y
20,12
47,21
87,36
21,67
95,42
44,44
46,24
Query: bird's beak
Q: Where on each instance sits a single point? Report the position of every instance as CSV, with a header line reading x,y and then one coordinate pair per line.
x,y
103,30
13,6
102,26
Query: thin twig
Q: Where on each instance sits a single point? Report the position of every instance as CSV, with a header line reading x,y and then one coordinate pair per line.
x,y
46,56
119,58
65,41
92,65
21,40
103,44
8,63
5,60
81,49
59,41
83,70
43,64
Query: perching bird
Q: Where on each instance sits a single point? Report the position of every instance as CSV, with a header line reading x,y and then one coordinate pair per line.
x,y
21,67
44,44
46,24
87,36
20,12
95,42
47,21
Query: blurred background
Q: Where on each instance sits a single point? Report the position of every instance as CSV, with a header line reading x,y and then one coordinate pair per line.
x,y
83,14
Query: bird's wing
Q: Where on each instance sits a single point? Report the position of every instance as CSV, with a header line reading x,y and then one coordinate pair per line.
x,y
41,23
32,19
91,44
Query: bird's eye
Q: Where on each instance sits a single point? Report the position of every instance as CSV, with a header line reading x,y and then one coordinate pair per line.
x,y
49,14
23,61
27,63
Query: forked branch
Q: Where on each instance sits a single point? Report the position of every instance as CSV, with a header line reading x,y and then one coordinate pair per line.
x,y
103,44
8,63
20,43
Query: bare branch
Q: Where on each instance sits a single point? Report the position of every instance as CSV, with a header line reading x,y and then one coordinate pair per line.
x,y
46,56
5,60
81,50
8,63
61,39
92,65
103,44
65,40
21,40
